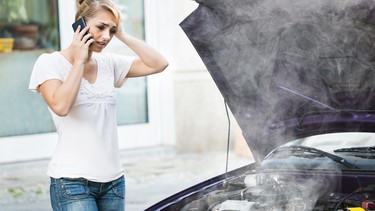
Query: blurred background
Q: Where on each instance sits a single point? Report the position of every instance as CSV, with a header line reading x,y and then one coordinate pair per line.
x,y
164,120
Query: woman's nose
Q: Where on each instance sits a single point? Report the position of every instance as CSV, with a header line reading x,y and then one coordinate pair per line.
x,y
106,34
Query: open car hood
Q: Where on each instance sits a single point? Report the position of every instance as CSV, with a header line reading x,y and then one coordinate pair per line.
x,y
289,68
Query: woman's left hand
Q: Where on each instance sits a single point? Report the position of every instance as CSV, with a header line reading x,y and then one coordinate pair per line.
x,y
120,30
150,61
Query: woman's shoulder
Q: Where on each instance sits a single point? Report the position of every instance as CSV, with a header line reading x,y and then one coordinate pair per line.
x,y
51,60
48,56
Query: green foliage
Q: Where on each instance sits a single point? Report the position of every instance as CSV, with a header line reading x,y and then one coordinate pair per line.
x,y
13,11
16,192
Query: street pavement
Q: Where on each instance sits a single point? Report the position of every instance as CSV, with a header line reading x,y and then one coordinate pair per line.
x,y
151,175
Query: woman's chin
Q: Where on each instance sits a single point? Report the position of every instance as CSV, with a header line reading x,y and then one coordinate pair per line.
x,y
96,49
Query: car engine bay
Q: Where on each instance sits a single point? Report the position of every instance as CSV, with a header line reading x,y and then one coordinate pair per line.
x,y
291,190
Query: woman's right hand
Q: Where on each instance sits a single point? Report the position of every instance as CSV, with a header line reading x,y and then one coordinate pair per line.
x,y
60,96
81,43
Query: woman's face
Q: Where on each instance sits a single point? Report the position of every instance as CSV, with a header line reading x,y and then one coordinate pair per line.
x,y
102,27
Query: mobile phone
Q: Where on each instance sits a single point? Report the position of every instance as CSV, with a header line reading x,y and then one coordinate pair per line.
x,y
79,22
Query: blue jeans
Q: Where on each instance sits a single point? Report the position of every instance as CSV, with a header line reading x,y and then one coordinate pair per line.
x,y
69,194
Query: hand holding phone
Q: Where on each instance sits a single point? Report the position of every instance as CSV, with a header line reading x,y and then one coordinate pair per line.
x,y
80,22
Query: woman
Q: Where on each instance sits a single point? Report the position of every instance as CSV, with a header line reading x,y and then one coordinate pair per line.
x,y
78,85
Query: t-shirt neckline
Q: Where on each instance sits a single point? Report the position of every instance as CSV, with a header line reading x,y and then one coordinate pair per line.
x,y
71,65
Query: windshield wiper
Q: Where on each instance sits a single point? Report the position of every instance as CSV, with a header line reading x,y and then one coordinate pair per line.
x,y
357,149
335,158
362,152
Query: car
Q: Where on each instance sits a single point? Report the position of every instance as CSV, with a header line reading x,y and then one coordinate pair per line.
x,y
299,77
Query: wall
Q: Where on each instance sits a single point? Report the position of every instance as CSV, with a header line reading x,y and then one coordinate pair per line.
x,y
199,112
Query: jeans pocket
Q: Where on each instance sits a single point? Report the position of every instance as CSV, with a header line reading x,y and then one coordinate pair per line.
x,y
118,187
74,188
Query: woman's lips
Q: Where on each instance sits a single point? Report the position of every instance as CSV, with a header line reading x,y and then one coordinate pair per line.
x,y
102,44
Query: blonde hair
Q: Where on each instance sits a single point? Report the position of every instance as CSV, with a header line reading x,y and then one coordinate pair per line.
x,y
88,8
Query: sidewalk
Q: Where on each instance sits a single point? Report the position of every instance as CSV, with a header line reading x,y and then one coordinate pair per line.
x,y
151,175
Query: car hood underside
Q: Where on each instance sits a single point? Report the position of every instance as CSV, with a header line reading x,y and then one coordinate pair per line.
x,y
289,69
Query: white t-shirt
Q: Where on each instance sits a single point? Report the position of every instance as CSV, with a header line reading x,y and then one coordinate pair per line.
x,y
87,146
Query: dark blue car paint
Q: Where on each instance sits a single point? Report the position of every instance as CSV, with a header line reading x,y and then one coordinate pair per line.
x,y
178,200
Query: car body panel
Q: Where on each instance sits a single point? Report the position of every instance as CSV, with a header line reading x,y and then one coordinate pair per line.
x,y
180,199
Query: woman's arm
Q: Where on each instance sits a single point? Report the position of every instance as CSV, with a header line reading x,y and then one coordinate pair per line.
x,y
150,61
58,95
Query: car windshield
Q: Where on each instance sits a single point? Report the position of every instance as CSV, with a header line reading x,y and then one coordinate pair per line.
x,y
334,141
343,151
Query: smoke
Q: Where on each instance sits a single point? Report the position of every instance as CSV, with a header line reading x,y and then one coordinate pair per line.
x,y
278,59
269,190
274,60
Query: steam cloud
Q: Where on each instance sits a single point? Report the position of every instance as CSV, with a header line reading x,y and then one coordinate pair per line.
x,y
272,191
277,59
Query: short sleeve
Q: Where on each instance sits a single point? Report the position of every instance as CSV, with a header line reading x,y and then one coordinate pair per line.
x,y
44,70
121,66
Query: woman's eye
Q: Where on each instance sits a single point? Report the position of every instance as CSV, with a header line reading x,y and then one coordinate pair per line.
x,y
113,31
101,27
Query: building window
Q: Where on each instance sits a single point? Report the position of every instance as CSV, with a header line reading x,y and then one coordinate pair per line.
x,y
22,112
132,105
133,17
30,24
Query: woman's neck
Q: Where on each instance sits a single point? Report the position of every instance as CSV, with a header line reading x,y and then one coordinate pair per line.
x,y
67,53
89,56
